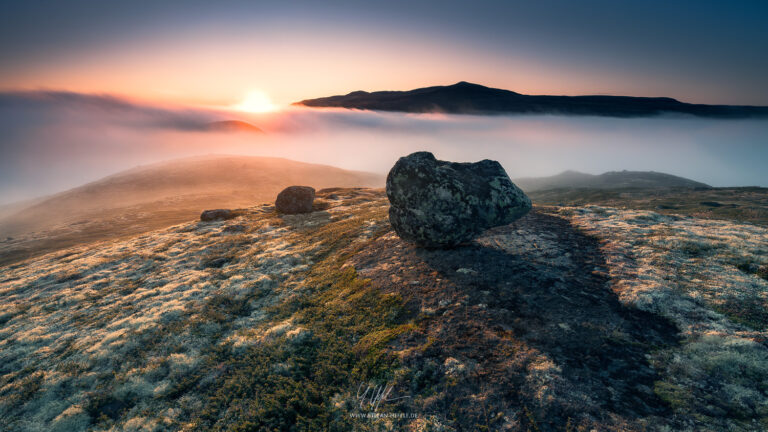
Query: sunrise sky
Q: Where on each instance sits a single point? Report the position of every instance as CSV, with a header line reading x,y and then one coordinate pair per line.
x,y
278,52
91,88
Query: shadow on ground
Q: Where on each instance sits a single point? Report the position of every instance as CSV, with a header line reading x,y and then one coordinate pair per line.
x,y
520,330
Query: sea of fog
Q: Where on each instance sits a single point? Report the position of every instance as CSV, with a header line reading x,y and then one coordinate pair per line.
x,y
52,143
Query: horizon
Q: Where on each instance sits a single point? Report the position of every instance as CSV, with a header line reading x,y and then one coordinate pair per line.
x,y
200,54
159,163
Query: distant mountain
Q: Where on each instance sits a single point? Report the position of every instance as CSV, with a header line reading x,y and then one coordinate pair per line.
x,y
233,126
609,180
159,195
468,98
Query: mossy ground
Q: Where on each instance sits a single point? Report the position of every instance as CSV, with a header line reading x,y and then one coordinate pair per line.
x,y
270,322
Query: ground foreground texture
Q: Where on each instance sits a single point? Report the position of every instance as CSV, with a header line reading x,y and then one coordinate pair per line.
x,y
572,318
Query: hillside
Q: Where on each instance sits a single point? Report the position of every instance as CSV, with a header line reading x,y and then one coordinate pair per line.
x,y
233,126
468,98
159,195
12,208
572,318
608,180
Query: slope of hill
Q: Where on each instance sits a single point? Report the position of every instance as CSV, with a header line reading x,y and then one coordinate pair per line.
x,y
12,208
583,318
159,195
233,126
608,180
468,98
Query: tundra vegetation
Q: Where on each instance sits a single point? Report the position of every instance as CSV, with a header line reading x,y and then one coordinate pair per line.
x,y
269,321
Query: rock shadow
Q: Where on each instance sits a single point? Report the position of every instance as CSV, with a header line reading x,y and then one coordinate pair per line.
x,y
529,310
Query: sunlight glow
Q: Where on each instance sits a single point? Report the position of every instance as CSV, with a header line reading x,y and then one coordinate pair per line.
x,y
256,102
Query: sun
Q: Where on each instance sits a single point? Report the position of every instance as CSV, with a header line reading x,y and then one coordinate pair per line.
x,y
255,102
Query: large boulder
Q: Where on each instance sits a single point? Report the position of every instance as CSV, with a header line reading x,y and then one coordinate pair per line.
x,y
441,204
295,199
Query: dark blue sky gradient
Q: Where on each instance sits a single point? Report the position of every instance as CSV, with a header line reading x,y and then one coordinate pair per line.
x,y
700,51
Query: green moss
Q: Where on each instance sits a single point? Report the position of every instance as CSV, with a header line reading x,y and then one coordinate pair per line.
x,y
678,397
377,340
290,382
341,319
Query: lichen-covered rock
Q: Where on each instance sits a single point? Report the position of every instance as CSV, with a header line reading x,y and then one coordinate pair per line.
x,y
218,214
295,199
441,204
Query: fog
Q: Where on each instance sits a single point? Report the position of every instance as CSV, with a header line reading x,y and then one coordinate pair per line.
x,y
52,141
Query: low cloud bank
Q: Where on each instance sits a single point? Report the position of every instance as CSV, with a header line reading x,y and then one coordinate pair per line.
x,y
29,108
53,141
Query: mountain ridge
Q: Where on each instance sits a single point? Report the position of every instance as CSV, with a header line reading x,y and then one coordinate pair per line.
x,y
571,179
469,98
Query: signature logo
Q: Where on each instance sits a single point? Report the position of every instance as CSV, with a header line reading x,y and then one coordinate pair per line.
x,y
370,397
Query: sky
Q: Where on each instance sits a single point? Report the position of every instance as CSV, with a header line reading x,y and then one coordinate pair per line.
x,y
216,53
90,88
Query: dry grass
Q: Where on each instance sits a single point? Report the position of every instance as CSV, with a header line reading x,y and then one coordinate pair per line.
x,y
203,326
120,336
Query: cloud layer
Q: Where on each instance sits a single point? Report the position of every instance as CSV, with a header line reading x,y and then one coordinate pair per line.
x,y
56,140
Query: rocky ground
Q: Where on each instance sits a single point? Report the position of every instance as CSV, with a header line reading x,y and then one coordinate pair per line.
x,y
739,204
572,318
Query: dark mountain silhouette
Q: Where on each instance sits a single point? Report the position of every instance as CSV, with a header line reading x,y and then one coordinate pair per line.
x,y
468,98
608,180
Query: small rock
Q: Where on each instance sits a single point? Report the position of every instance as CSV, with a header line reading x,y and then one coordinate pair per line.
x,y
466,271
442,204
215,215
295,199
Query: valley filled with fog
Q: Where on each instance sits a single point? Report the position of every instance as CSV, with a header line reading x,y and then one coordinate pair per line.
x,y
56,141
